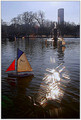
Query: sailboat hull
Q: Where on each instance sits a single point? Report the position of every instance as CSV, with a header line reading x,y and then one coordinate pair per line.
x,y
20,75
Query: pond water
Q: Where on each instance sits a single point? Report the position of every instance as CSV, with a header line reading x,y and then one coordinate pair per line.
x,y
53,92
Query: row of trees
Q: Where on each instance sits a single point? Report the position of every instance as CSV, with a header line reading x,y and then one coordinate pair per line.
x,y
69,29
30,23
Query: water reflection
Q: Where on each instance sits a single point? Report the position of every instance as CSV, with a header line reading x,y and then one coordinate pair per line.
x,y
11,81
56,96
55,45
52,88
49,42
21,105
61,52
20,83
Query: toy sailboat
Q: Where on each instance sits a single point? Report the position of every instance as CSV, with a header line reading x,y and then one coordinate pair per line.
x,y
21,65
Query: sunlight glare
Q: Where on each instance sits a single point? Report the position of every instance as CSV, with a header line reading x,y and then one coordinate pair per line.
x,y
54,83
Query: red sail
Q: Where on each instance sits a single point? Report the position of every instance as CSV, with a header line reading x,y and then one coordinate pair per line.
x,y
11,67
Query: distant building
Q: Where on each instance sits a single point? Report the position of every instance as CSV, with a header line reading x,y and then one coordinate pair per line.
x,y
61,16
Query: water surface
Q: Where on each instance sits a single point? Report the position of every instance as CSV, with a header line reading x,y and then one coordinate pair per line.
x,y
58,97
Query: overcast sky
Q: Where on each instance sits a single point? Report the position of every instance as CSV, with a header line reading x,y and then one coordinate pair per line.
x,y
10,9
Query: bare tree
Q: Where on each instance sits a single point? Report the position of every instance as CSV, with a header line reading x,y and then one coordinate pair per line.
x,y
3,23
14,21
27,18
19,19
39,17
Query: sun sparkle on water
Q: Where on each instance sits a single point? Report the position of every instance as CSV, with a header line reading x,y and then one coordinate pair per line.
x,y
50,89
